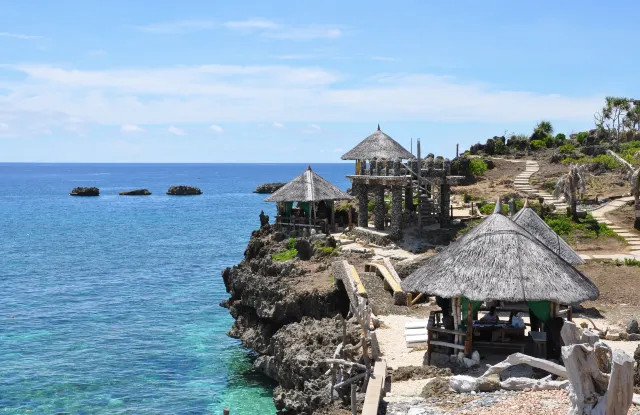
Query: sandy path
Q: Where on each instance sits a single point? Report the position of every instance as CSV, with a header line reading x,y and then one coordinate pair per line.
x,y
392,342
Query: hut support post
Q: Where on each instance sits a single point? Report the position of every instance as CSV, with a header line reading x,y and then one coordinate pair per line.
x,y
379,208
408,198
468,345
396,211
363,205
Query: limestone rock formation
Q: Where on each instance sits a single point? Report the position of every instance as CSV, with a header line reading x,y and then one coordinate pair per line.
x,y
183,191
268,187
85,191
137,192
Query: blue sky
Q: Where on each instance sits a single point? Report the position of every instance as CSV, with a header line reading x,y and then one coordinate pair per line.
x,y
299,81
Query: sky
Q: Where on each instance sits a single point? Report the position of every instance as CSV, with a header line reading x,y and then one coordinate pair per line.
x,y
299,81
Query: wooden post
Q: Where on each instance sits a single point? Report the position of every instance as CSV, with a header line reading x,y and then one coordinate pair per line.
x,y
225,411
429,349
457,150
468,343
354,402
570,314
333,380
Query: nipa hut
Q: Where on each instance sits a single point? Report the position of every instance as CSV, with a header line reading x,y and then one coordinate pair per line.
x,y
497,260
315,198
536,226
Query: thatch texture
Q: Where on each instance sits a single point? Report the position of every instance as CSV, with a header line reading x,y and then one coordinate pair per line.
x,y
499,260
531,222
378,146
308,187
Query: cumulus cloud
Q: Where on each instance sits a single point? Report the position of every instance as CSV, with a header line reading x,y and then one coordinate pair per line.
x,y
216,129
263,93
19,36
130,129
176,131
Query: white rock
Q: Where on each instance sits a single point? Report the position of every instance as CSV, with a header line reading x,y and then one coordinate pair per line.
x,y
469,362
462,383
416,411
612,336
476,357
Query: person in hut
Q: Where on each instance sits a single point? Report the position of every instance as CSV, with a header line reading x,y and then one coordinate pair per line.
x,y
491,316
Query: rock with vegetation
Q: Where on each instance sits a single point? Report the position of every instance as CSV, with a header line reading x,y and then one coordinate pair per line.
x,y
85,191
137,192
268,187
183,191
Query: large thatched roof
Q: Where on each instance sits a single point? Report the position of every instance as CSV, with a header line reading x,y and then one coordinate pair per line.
x,y
530,221
499,260
378,146
308,187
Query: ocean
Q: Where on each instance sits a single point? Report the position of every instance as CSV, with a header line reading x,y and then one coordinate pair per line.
x,y
110,304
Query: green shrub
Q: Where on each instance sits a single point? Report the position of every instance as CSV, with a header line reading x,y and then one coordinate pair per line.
x,y
550,141
608,161
560,224
560,138
549,185
325,251
538,144
292,243
285,255
488,208
631,262
467,198
477,167
567,148
581,138
588,227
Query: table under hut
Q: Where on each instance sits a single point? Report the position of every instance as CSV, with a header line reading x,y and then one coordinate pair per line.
x,y
308,201
499,264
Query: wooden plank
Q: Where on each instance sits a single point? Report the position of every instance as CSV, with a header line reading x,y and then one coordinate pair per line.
x,y
445,344
447,331
375,388
359,286
392,271
388,278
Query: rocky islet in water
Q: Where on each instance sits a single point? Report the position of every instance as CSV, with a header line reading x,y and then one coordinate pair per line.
x,y
85,191
268,187
136,192
183,191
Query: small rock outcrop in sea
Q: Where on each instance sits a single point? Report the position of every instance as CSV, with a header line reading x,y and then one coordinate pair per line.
x,y
183,191
137,192
85,191
268,187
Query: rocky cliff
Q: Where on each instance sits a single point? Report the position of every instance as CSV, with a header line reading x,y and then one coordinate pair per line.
x,y
268,187
290,313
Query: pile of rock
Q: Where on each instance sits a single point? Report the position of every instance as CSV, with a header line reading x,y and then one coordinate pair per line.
x,y
268,187
632,332
183,191
85,191
137,192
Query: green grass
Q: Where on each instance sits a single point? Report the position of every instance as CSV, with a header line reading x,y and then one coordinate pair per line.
x,y
630,262
588,227
287,255
325,251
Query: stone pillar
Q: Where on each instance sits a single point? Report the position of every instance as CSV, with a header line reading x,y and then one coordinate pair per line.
x,y
445,205
362,193
379,167
379,208
396,211
408,199
363,167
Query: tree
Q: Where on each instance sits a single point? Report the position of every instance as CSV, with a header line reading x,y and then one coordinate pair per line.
x,y
542,130
634,178
570,185
618,116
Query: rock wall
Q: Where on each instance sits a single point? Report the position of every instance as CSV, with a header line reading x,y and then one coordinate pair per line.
x,y
292,326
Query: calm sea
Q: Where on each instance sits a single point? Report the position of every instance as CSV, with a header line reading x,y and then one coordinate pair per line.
x,y
110,304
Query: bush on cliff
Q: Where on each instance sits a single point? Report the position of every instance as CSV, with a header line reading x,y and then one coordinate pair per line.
x,y
290,253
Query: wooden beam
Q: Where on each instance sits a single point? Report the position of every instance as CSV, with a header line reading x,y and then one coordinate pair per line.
x,y
445,344
468,341
375,389
356,278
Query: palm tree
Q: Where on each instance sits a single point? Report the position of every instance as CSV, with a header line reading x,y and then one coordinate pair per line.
x,y
634,178
544,127
569,185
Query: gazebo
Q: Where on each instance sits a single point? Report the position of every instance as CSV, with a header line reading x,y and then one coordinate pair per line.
x,y
530,221
315,197
497,260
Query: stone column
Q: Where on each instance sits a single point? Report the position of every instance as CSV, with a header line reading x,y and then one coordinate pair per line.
x,y
379,167
445,205
363,167
379,208
396,211
362,193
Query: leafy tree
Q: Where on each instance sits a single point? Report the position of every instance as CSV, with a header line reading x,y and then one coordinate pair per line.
x,y
542,130
617,117
538,144
477,167
560,138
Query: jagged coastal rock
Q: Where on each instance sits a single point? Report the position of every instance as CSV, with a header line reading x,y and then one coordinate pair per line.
x,y
290,313
85,191
268,187
183,191
137,192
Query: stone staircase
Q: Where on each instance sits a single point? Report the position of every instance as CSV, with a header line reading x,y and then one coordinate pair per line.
x,y
521,183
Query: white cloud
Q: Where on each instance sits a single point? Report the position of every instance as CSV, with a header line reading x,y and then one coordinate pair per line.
x,y
97,53
176,131
19,36
312,129
251,24
50,95
384,58
4,126
216,129
305,33
177,27
130,129
338,150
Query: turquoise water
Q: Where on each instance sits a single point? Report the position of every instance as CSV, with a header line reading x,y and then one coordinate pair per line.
x,y
110,304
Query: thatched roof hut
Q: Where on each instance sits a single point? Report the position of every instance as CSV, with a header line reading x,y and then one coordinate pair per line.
x,y
499,260
378,146
308,187
530,221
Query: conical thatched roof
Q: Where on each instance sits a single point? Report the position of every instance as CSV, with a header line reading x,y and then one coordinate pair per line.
x,y
308,187
530,221
499,260
378,146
